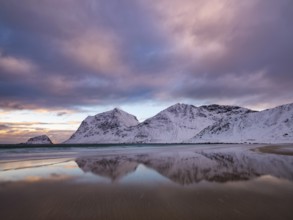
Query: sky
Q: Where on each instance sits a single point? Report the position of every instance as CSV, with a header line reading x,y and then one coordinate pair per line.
x,y
61,60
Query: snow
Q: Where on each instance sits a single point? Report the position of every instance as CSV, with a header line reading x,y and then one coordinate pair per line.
x,y
268,126
106,127
43,139
190,124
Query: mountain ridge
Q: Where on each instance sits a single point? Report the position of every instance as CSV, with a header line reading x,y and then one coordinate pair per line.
x,y
183,123
273,125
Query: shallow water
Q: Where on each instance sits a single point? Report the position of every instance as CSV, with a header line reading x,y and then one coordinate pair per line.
x,y
146,182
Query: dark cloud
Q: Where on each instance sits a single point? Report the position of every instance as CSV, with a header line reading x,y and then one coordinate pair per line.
x,y
61,113
255,63
4,127
71,53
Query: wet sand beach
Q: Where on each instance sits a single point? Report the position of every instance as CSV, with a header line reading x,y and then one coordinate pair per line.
x,y
63,200
184,182
277,149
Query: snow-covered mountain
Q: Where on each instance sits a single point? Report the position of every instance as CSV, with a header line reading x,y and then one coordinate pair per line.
x,y
175,124
181,122
106,127
269,126
43,139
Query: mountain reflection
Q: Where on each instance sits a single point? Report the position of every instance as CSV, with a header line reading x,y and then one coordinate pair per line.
x,y
190,168
112,168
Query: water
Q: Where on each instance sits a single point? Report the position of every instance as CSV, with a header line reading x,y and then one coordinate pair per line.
x,y
147,182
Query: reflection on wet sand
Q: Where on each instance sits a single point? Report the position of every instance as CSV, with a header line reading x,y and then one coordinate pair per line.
x,y
191,168
112,168
228,182
276,149
25,164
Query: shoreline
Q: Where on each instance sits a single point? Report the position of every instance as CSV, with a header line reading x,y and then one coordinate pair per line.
x,y
286,150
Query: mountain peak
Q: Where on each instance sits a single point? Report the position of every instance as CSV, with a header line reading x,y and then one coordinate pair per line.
x,y
116,109
179,106
224,108
98,128
286,107
117,115
42,139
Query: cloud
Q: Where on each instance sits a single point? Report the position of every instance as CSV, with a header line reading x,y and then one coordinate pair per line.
x,y
96,50
3,127
17,132
21,136
126,51
61,113
16,66
228,44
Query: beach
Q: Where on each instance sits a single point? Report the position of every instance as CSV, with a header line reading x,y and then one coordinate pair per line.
x,y
146,182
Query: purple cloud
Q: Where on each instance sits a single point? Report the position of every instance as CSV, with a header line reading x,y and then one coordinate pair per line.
x,y
65,54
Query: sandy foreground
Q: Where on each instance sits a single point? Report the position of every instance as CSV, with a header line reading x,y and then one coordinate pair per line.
x,y
63,200
214,182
